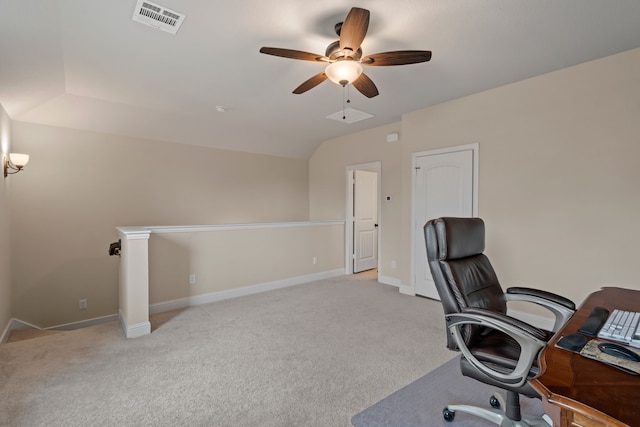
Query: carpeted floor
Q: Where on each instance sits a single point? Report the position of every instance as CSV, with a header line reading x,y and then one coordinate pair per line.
x,y
420,403
309,355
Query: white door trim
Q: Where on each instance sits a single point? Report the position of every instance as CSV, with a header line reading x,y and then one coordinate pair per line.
x,y
348,229
473,147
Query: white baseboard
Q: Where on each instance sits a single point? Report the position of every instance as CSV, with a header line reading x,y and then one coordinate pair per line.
x,y
84,323
5,334
21,324
135,330
391,281
144,328
207,298
407,290
15,324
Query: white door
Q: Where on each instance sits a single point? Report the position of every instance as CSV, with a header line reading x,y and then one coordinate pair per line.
x,y
444,186
365,217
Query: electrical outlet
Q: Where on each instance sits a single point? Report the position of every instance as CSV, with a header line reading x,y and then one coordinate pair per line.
x,y
393,264
315,260
192,279
83,304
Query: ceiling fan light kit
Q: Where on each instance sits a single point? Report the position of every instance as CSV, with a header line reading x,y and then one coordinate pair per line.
x,y
343,72
345,56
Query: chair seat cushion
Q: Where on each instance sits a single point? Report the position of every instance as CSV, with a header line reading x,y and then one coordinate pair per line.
x,y
499,352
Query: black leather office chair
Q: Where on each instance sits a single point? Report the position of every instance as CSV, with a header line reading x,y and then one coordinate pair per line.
x,y
496,349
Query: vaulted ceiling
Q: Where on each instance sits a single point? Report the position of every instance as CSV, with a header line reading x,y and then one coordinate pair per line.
x,y
87,65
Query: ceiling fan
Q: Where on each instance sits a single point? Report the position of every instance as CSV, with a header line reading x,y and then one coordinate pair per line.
x,y
344,56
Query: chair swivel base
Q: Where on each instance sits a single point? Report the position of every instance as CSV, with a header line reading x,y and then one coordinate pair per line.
x,y
496,415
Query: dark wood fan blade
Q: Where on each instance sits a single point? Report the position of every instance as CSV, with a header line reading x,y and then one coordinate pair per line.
x,y
293,54
366,86
354,29
398,57
311,83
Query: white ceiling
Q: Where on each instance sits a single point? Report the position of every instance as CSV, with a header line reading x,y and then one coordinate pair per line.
x,y
87,65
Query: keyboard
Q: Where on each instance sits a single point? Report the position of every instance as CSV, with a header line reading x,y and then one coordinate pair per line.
x,y
622,326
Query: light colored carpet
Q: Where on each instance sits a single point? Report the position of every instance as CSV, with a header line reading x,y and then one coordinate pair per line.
x,y
310,355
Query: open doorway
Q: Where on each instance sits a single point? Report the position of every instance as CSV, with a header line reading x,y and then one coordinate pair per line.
x,y
363,218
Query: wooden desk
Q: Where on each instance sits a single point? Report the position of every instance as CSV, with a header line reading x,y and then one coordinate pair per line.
x,y
577,391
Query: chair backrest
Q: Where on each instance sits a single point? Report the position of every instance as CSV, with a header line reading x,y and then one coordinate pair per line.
x,y
462,274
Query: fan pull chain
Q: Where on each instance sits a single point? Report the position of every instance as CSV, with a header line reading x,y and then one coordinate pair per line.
x,y
345,88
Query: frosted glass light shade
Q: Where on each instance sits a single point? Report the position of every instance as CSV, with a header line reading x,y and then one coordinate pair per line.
x,y
18,159
343,72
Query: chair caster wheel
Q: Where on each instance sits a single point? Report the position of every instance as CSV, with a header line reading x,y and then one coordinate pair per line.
x,y
448,415
494,402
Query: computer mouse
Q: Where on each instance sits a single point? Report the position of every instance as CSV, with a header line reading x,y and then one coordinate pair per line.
x,y
619,351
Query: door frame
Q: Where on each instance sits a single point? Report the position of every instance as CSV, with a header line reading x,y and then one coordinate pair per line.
x,y
348,229
475,148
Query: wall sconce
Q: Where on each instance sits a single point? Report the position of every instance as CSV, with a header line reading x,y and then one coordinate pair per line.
x,y
15,162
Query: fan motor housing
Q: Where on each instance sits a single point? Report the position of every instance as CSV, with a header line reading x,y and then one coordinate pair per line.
x,y
334,53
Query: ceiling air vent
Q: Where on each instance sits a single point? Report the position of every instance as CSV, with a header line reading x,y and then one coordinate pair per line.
x,y
157,16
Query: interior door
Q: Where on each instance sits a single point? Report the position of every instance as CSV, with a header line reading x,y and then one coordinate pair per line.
x,y
365,217
443,187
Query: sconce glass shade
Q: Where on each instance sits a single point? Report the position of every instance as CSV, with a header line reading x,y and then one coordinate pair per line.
x,y
15,162
343,72
19,160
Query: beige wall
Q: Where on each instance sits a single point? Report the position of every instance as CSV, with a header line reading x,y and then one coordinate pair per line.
x,y
558,175
5,252
328,190
80,185
558,190
229,259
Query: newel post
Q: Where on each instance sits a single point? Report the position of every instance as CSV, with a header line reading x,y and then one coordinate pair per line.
x,y
134,281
